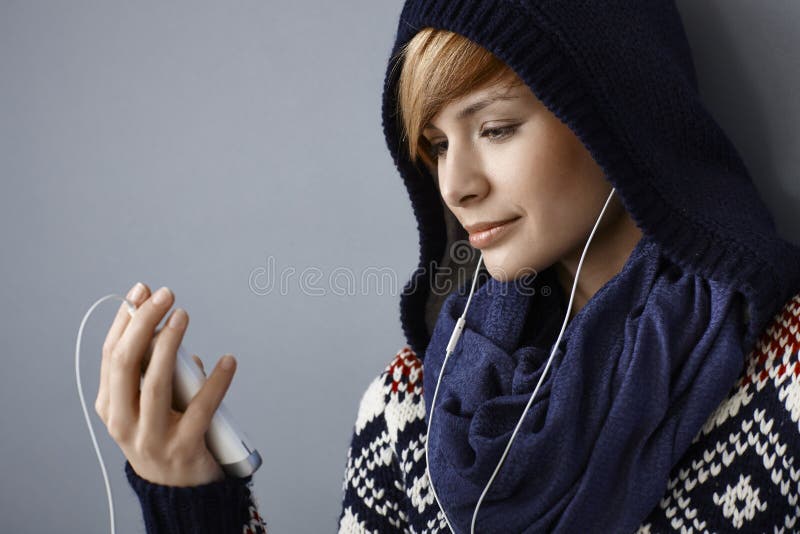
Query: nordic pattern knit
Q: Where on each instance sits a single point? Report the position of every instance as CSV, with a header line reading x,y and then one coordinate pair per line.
x,y
741,473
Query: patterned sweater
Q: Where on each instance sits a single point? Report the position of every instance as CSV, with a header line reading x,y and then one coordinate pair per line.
x,y
740,474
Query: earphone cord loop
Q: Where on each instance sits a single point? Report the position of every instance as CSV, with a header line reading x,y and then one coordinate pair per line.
x,y
86,411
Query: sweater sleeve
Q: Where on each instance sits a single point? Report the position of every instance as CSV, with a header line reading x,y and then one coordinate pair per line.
x,y
742,471
223,507
373,483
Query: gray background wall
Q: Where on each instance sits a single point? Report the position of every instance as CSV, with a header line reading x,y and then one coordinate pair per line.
x,y
187,143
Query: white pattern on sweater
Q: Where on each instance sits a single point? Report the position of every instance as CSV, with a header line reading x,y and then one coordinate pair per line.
x,y
739,474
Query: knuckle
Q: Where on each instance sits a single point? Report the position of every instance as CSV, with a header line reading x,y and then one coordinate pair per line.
x,y
153,390
118,430
119,355
100,409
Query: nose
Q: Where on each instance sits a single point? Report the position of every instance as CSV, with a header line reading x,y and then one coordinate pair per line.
x,y
462,179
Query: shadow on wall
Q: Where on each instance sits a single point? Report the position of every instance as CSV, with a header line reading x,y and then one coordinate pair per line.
x,y
748,67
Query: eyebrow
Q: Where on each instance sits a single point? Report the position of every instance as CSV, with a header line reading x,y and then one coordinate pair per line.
x,y
476,107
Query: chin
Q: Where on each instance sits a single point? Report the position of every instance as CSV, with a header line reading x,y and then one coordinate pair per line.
x,y
508,268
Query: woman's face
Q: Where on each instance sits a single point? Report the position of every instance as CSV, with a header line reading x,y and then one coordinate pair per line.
x,y
501,155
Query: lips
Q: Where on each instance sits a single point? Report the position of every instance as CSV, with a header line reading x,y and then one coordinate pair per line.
x,y
483,226
484,235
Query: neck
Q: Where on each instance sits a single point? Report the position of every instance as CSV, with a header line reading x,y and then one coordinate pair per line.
x,y
607,254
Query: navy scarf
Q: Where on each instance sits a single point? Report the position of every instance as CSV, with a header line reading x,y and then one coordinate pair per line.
x,y
638,371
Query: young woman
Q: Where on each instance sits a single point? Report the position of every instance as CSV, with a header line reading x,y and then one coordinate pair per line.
x,y
628,358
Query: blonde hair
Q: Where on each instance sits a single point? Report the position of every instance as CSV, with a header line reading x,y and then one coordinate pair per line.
x,y
438,67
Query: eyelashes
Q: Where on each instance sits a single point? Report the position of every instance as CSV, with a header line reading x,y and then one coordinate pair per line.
x,y
493,134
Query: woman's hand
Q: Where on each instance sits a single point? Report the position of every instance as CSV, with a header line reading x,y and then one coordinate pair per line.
x,y
162,445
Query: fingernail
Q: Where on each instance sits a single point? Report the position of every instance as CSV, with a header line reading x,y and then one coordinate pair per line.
x,y
227,362
136,292
161,296
177,319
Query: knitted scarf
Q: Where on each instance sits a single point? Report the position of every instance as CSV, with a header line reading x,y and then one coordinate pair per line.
x,y
638,370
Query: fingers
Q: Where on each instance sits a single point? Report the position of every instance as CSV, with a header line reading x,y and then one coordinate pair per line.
x,y
197,416
137,294
155,403
126,362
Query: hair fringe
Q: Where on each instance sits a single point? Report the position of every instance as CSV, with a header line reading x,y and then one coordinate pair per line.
x,y
439,67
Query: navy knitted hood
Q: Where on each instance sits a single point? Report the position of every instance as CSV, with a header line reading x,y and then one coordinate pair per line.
x,y
621,76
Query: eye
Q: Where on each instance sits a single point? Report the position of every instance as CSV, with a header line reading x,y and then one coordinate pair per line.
x,y
437,149
499,132
493,134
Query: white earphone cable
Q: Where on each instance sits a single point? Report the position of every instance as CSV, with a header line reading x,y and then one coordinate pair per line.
x,y
454,337
451,346
86,411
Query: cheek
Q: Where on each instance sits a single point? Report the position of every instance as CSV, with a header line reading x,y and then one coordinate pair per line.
x,y
575,179
547,184
558,189
549,163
